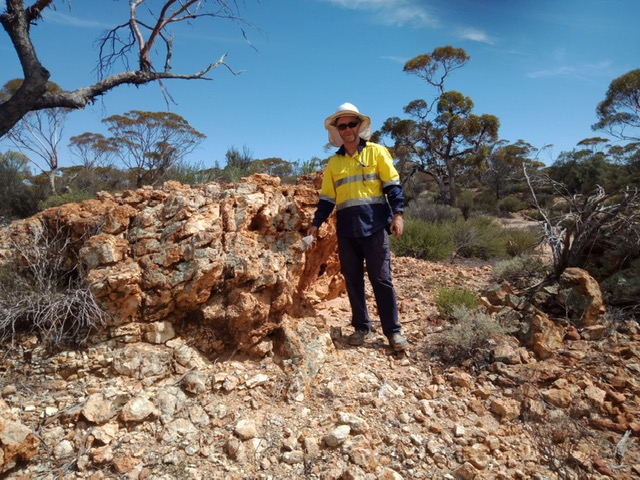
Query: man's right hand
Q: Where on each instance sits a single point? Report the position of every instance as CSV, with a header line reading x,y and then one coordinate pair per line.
x,y
312,230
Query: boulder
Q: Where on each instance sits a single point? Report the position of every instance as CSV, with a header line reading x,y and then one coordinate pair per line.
x,y
581,296
225,259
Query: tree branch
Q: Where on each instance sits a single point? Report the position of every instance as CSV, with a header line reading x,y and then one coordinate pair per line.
x,y
32,94
81,97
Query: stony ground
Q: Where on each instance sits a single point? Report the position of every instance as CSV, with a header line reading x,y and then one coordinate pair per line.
x,y
115,411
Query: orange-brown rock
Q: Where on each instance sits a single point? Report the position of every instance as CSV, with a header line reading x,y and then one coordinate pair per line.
x,y
580,293
227,255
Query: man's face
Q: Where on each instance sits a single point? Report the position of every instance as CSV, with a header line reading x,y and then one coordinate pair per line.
x,y
349,134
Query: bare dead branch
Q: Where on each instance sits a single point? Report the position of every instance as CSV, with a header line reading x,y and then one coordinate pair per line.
x,y
42,290
572,234
113,47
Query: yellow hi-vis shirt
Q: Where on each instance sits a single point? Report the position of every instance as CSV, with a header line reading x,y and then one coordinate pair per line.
x,y
364,188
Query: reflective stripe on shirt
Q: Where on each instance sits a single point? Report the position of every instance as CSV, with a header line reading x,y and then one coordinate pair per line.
x,y
362,201
328,198
390,182
357,178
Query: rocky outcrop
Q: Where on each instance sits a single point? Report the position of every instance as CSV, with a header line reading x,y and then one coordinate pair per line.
x,y
221,261
145,403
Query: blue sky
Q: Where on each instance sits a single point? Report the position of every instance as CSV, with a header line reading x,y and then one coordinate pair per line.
x,y
540,66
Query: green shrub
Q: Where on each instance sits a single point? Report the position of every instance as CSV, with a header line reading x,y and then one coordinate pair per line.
x,y
478,237
521,271
422,240
17,198
521,241
511,204
449,298
68,197
465,203
424,209
486,201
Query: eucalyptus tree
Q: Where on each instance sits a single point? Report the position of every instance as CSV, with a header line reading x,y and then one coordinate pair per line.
x,y
15,198
503,166
38,132
274,166
619,113
143,38
151,143
93,149
441,137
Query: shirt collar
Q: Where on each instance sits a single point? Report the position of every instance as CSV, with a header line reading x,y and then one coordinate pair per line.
x,y
342,151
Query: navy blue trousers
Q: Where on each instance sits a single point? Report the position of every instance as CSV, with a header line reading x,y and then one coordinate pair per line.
x,y
354,253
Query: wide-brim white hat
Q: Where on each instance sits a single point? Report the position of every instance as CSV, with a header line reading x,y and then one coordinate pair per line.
x,y
347,110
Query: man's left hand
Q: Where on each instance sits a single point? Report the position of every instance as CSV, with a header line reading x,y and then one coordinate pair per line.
x,y
397,225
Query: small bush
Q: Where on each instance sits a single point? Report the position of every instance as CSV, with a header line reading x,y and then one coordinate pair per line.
x,y
521,271
486,201
422,240
511,204
43,292
478,237
465,203
521,241
424,209
470,335
450,298
69,197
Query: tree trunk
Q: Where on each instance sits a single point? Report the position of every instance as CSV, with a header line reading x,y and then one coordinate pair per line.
x,y
52,181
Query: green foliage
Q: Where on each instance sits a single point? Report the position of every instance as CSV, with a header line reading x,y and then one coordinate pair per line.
x,y
465,203
521,271
276,167
93,149
422,240
150,143
309,166
485,202
443,134
519,241
471,334
95,179
238,164
16,195
425,209
504,164
193,173
449,298
447,235
479,237
618,113
582,171
67,197
511,204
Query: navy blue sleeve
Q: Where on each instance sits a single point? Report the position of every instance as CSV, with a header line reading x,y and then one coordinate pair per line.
x,y
395,197
322,212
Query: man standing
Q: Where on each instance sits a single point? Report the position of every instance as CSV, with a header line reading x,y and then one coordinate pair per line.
x,y
361,182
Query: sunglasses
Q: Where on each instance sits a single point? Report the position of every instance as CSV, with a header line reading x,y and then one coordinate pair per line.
x,y
344,126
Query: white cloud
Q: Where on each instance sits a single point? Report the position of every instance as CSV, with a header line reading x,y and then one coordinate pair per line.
x,y
474,35
395,59
53,16
585,71
392,12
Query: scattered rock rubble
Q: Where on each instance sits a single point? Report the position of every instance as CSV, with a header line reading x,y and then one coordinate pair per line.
x,y
557,400
153,411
